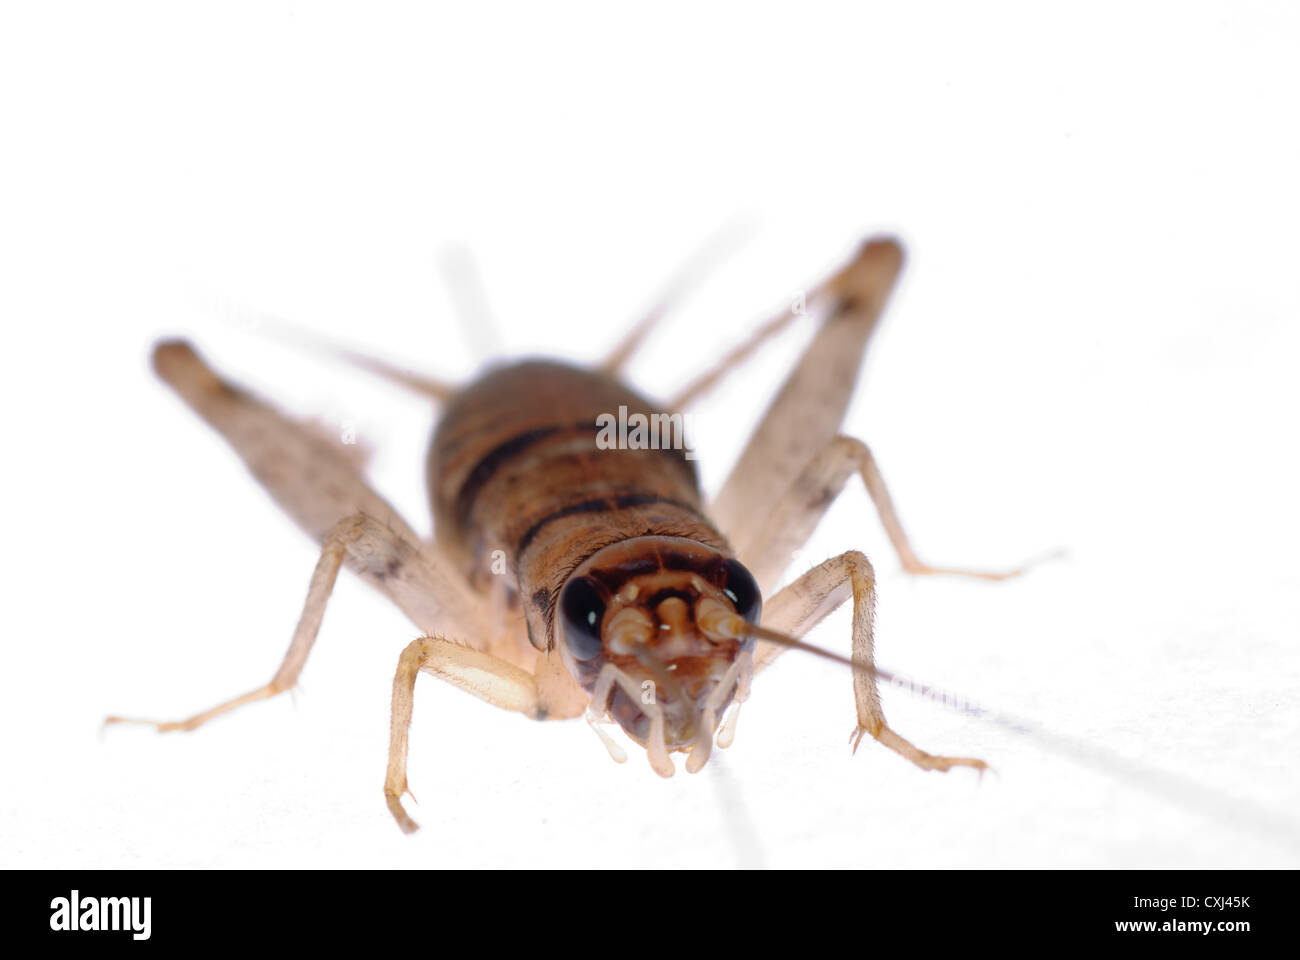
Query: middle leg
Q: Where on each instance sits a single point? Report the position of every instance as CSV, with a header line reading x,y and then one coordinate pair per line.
x,y
375,552
805,603
768,547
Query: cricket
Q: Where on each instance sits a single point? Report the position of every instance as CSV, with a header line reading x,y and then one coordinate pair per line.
x,y
570,576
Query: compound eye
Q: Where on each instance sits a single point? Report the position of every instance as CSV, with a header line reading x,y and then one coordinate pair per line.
x,y
582,608
742,590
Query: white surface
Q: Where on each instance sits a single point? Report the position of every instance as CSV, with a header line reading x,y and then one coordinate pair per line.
x,y
1094,347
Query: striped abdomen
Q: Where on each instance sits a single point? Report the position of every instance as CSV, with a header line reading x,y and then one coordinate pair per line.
x,y
515,466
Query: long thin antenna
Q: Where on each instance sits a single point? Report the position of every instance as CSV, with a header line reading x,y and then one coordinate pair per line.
x,y
1180,790
419,383
715,250
469,298
706,381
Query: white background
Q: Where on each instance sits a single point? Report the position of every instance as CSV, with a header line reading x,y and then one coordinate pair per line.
x,y
1094,347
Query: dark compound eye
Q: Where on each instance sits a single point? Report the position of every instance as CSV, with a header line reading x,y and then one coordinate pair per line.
x,y
739,586
582,607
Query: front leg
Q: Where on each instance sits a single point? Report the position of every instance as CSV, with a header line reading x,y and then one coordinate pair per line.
x,y
500,683
805,603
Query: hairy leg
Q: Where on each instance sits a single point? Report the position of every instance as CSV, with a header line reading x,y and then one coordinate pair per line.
x,y
767,546
809,599
499,683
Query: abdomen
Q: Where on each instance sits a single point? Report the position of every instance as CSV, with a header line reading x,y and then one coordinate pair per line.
x,y
515,466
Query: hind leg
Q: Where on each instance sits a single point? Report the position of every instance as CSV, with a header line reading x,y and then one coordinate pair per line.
x,y
321,487
318,484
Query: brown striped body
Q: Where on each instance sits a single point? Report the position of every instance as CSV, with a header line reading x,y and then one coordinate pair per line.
x,y
557,494
515,466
